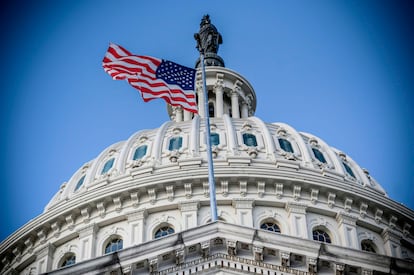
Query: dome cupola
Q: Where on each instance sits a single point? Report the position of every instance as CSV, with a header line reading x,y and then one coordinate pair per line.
x,y
227,91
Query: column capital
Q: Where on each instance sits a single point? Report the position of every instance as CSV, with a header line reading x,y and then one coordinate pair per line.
x,y
391,235
88,230
345,218
46,250
219,84
139,214
242,203
189,206
296,207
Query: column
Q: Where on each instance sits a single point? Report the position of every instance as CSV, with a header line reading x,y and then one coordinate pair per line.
x,y
87,242
391,242
235,112
44,257
297,219
245,110
136,221
178,111
187,115
200,96
218,90
244,211
189,211
347,230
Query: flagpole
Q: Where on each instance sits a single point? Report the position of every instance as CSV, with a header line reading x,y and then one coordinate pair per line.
x,y
211,183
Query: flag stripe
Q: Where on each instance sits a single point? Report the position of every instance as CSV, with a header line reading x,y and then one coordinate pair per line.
x,y
153,77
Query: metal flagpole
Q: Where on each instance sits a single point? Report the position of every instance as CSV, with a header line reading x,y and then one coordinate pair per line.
x,y
211,182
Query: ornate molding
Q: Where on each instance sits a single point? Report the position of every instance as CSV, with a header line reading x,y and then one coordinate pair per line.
x,y
279,190
152,195
331,200
243,203
170,192
295,207
261,188
346,218
189,206
314,196
224,188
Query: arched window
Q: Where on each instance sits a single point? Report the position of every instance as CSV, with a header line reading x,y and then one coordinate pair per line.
x,y
108,165
270,226
249,139
285,145
214,139
348,170
114,245
80,183
163,231
140,152
175,143
318,154
368,245
321,236
68,259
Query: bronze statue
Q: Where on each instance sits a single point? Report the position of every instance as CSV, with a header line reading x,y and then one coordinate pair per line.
x,y
208,38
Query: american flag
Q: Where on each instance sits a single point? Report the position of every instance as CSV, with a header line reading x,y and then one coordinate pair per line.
x,y
153,77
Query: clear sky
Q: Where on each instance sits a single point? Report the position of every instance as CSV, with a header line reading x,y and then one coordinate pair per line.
x,y
341,70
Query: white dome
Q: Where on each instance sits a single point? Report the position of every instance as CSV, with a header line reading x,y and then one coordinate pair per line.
x,y
267,156
134,197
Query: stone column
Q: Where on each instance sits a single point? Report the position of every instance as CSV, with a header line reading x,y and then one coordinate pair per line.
x,y
218,90
187,115
297,219
200,95
44,258
235,112
189,211
136,221
87,242
178,113
245,110
347,230
391,242
244,211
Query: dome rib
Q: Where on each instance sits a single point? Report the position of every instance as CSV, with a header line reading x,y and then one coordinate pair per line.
x,y
268,139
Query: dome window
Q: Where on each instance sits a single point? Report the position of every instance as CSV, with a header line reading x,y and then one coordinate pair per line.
x,y
68,259
319,155
368,245
270,226
163,231
80,183
140,152
114,245
249,140
348,170
214,139
321,236
175,143
108,165
285,145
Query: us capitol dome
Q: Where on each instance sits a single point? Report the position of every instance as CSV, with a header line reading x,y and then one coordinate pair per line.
x,y
288,203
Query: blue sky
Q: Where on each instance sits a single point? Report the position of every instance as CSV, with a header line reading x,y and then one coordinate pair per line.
x,y
341,70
